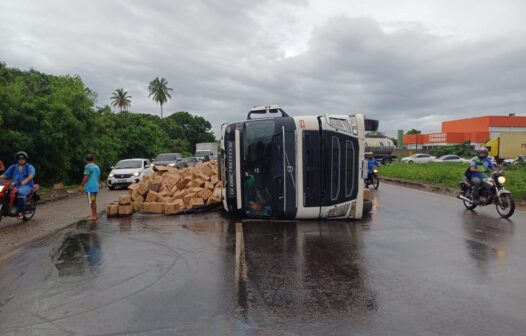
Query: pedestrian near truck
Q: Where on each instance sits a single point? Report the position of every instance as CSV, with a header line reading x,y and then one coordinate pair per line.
x,y
90,184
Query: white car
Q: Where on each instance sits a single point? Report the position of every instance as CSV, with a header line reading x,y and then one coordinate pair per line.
x,y
418,158
450,158
128,171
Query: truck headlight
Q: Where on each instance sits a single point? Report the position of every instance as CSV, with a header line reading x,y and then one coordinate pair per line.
x,y
136,174
111,175
171,164
501,179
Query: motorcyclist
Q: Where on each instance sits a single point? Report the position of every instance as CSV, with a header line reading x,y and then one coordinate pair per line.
x,y
21,174
371,163
479,167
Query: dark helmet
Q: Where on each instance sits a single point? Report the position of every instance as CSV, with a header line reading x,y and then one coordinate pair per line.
x,y
482,153
21,154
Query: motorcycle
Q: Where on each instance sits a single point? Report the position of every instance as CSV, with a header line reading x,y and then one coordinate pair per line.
x,y
491,191
8,208
373,179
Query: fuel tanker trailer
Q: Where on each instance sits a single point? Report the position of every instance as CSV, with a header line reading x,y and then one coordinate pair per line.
x,y
381,146
276,166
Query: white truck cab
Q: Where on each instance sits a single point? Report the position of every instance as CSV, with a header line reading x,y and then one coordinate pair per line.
x,y
294,167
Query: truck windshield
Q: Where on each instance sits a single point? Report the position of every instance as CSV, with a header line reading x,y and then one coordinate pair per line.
x,y
202,154
258,176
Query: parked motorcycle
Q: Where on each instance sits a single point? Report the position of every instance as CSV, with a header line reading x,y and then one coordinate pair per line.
x,y
491,191
8,208
373,179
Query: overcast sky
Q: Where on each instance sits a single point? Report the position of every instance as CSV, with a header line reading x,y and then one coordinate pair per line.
x,y
410,64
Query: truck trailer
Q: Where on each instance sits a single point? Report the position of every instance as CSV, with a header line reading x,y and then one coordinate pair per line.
x,y
205,149
507,145
294,167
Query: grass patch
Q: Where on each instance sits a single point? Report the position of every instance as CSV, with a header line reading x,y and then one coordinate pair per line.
x,y
450,174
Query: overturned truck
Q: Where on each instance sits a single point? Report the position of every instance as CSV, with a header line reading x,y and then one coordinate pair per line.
x,y
277,166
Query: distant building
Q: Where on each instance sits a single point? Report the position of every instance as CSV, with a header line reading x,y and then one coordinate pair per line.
x,y
476,130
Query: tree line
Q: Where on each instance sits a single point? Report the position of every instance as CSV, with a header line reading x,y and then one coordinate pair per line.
x,y
55,119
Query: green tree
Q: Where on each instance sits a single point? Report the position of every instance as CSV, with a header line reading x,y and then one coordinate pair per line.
x,y
159,91
121,100
55,120
194,128
414,131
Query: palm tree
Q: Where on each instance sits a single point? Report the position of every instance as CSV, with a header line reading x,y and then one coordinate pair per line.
x,y
121,99
159,91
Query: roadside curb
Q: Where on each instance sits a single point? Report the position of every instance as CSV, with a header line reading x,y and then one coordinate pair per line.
x,y
58,197
453,192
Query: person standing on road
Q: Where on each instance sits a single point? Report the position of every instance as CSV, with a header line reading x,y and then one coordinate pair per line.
x,y
21,174
90,184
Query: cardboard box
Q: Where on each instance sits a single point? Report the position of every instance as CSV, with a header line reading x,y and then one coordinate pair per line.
x,y
366,194
133,186
205,177
196,202
154,187
204,194
143,187
145,207
217,192
112,210
214,179
124,200
195,190
139,199
181,193
125,210
172,208
152,196
213,200
181,203
188,199
136,206
183,182
198,182
206,170
209,185
157,207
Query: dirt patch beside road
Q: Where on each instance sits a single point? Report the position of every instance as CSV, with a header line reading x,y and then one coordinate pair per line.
x,y
50,217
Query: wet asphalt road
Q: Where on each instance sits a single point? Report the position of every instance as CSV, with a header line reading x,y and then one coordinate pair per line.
x,y
419,265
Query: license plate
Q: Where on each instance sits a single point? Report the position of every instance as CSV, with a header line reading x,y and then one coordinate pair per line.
x,y
120,181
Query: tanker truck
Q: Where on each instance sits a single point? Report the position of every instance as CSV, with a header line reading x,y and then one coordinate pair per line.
x,y
382,147
294,167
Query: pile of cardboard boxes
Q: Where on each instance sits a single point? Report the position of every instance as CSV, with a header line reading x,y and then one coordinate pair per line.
x,y
170,191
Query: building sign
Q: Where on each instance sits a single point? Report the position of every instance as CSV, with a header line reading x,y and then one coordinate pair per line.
x,y
437,137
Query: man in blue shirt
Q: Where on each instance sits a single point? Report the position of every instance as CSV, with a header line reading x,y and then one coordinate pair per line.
x,y
21,174
371,163
479,167
90,184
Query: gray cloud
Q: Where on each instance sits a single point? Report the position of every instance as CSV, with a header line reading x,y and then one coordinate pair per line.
x,y
221,58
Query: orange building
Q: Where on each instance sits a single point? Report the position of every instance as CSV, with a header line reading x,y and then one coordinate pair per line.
x,y
476,130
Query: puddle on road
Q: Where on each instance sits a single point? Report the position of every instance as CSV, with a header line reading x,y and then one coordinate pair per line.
x,y
80,252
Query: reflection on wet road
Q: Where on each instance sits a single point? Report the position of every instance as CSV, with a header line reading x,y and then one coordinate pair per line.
x,y
420,264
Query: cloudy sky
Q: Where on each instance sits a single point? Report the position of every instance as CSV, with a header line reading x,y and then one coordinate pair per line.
x,y
409,63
